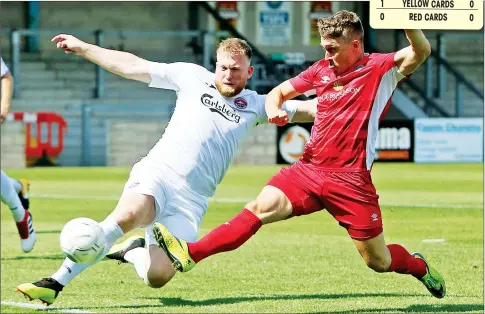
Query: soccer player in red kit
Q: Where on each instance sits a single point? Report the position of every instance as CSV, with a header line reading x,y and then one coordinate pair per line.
x,y
354,91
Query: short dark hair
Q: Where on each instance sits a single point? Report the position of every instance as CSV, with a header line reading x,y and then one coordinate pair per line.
x,y
236,46
342,24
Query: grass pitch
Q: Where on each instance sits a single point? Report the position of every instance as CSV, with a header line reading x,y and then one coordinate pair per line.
x,y
305,264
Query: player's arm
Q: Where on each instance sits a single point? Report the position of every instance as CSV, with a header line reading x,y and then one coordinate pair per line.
x,y
6,95
305,110
121,63
275,99
407,60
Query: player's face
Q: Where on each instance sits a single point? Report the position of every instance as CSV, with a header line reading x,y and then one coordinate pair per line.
x,y
341,53
232,73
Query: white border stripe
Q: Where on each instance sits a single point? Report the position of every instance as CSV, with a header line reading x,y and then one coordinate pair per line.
x,y
41,307
245,200
386,88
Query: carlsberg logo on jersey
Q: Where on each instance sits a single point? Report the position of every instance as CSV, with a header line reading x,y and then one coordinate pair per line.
x,y
224,110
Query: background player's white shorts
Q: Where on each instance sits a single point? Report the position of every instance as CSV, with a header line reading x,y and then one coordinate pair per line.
x,y
178,208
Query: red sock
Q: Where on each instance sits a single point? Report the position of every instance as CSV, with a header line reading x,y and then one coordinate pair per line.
x,y
227,237
404,263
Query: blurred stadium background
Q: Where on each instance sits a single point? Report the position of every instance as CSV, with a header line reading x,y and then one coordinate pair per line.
x,y
117,111
433,134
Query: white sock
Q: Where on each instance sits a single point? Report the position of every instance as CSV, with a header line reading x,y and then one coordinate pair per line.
x,y
69,269
11,199
137,258
16,185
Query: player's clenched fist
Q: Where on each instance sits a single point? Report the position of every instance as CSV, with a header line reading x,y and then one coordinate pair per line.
x,y
69,43
279,117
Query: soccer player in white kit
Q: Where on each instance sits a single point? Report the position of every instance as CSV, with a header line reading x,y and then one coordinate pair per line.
x,y
15,192
172,183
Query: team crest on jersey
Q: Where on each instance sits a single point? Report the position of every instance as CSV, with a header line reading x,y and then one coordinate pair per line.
x,y
240,103
338,86
325,79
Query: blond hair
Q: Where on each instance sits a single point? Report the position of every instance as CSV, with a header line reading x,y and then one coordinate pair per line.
x,y
235,46
343,24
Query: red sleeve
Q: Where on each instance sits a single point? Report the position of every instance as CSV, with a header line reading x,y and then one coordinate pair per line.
x,y
304,81
385,60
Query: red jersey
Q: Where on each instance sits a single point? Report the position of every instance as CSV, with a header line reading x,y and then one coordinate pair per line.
x,y
350,106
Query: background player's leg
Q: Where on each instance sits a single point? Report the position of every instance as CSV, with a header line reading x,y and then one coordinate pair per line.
x,y
16,184
11,199
20,214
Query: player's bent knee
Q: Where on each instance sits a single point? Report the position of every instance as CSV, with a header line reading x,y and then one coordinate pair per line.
x,y
378,264
257,208
155,283
156,280
270,206
134,210
160,270
127,220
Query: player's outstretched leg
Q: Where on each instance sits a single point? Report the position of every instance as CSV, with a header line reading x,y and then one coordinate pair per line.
x,y
47,289
271,205
118,251
132,210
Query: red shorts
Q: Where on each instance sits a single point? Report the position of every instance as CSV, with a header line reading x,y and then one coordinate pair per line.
x,y
350,197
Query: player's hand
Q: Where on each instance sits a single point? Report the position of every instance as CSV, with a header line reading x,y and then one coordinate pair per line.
x,y
278,117
69,43
4,110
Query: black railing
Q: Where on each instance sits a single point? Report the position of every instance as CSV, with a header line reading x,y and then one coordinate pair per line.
x,y
438,59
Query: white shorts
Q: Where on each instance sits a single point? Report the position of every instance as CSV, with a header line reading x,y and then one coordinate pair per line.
x,y
177,207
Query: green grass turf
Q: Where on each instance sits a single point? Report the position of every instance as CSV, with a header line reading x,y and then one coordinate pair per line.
x,y
305,264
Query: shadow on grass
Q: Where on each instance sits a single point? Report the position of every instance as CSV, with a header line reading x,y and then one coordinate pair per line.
x,y
424,308
47,231
417,308
427,308
232,300
22,257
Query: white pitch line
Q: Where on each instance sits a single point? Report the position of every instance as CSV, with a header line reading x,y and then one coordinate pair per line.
x,y
75,197
245,200
456,206
433,240
41,307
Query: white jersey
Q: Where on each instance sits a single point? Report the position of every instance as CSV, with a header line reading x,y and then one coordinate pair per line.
x,y
3,68
206,128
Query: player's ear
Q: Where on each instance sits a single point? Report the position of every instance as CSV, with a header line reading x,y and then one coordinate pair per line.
x,y
355,44
250,71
